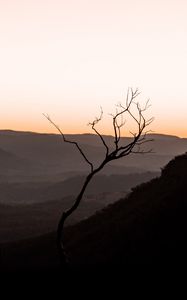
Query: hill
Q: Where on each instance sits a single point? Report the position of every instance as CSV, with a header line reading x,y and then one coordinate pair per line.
x,y
29,209
147,227
10,161
47,155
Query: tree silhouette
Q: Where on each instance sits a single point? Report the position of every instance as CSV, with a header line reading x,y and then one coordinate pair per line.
x,y
119,150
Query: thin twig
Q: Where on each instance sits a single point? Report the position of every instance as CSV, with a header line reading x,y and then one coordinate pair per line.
x,y
68,141
95,122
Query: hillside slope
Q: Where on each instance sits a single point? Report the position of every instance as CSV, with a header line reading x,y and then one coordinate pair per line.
x,y
149,226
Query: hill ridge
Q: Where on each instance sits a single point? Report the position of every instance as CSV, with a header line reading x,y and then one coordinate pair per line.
x,y
147,226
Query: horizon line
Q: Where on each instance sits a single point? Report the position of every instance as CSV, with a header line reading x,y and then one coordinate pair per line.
x,y
85,133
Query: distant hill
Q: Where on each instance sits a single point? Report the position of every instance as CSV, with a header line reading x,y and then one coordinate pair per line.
x,y
10,161
45,154
28,193
147,227
29,209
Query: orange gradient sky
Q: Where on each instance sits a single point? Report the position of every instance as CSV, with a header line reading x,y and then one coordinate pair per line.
x,y
68,58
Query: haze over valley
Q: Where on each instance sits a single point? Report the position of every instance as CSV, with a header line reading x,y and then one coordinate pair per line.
x,y
40,177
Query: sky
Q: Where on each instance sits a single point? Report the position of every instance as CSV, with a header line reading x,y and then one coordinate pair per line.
x,y
68,58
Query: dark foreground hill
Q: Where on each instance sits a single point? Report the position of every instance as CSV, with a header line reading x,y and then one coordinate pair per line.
x,y
149,226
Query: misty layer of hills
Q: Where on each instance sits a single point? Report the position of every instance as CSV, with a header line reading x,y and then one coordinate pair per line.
x,y
41,171
33,209
149,226
40,177
34,157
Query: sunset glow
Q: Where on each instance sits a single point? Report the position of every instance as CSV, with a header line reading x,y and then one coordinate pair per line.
x,y
68,58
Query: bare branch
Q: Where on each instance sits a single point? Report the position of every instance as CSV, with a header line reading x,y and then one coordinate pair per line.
x,y
117,128
140,120
143,151
95,122
68,141
149,121
141,142
139,137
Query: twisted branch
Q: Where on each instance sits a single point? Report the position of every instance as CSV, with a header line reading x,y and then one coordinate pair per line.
x,y
68,141
95,122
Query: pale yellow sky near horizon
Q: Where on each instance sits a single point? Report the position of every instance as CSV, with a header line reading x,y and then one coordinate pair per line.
x,y
68,58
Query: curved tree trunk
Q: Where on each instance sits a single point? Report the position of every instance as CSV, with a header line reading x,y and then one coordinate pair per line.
x,y
60,243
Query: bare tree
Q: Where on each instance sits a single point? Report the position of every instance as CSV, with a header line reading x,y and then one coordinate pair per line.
x,y
131,108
